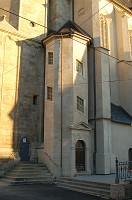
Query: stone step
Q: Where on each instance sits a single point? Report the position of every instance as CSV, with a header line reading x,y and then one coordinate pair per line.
x,y
84,183
29,173
33,173
30,168
28,176
27,170
47,180
88,187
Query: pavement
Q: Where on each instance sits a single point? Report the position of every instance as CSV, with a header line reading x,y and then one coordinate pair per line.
x,y
40,192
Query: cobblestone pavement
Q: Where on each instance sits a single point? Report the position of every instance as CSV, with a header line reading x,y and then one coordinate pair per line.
x,y
41,192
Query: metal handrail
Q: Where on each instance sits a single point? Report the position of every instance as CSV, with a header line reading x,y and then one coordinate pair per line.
x,y
51,159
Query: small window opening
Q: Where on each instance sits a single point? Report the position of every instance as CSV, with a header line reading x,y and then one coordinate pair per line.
x,y
49,94
50,58
35,99
80,104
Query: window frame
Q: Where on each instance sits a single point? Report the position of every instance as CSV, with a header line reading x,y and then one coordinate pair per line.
x,y
50,58
49,96
80,72
80,107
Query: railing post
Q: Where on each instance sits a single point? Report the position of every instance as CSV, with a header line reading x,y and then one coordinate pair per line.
x,y
117,177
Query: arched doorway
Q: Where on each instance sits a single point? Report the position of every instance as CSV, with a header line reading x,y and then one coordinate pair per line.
x,y
24,149
80,155
130,158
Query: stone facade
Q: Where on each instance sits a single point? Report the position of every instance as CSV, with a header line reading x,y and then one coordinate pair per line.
x,y
53,123
21,81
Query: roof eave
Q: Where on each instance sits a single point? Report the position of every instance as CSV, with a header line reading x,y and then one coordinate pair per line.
x,y
66,34
119,5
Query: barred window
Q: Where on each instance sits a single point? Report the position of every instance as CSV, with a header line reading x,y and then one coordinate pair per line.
x,y
80,104
50,58
49,93
79,67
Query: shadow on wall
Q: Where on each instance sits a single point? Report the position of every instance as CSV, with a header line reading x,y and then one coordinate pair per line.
x,y
27,113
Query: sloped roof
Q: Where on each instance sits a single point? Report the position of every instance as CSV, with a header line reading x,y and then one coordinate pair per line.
x,y
127,3
70,27
118,114
7,27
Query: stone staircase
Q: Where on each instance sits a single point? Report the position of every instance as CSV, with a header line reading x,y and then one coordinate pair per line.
x,y
29,173
87,187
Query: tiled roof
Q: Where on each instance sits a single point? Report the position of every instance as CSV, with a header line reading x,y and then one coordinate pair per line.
x,y
118,114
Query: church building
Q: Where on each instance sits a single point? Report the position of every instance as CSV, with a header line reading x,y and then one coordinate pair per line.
x,y
66,84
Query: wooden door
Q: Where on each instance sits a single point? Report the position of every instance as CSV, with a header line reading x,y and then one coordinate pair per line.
x,y
80,155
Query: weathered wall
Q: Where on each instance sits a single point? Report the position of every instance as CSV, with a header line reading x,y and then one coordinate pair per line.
x,y
21,77
59,13
121,140
10,6
22,71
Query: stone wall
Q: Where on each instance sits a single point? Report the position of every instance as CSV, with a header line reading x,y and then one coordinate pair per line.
x,y
22,71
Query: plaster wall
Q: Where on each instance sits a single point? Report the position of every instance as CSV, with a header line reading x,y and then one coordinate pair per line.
x,y
80,82
121,140
83,10
59,13
125,81
34,18
13,7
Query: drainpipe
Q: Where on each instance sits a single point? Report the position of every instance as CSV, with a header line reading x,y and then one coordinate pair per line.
x,y
94,87
61,98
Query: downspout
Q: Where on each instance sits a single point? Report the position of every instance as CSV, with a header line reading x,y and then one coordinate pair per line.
x,y
61,99
94,87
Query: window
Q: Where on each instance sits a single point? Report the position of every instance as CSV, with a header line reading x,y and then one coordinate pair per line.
x,y
35,99
79,67
80,104
50,58
104,31
49,94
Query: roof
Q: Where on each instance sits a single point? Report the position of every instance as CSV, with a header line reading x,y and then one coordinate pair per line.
x,y
4,25
127,3
120,115
69,28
